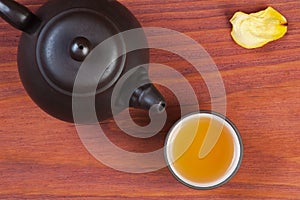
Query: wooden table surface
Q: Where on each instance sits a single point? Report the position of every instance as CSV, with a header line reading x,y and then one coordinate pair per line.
x,y
42,157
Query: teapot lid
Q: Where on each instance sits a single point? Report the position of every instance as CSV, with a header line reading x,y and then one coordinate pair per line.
x,y
67,39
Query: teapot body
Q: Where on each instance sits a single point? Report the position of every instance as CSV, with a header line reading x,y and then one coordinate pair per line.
x,y
46,67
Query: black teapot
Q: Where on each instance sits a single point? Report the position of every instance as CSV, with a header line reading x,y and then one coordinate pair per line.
x,y
58,38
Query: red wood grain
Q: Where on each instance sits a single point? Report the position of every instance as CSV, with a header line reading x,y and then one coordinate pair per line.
x,y
42,157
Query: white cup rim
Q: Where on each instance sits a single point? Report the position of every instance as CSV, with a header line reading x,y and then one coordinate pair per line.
x,y
232,170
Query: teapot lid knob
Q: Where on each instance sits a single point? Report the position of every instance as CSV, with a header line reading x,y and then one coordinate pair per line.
x,y
80,48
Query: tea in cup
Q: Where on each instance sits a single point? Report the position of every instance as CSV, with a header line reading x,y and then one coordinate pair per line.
x,y
203,150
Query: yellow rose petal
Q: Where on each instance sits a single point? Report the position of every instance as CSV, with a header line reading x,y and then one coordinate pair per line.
x,y
257,29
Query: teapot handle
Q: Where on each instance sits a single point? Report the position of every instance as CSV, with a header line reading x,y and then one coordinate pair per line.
x,y
18,16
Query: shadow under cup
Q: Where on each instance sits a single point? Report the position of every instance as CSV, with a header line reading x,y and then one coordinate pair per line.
x,y
203,150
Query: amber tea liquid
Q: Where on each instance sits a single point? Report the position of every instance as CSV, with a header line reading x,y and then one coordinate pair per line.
x,y
185,142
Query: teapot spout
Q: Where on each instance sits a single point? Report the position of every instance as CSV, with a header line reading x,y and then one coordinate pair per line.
x,y
148,97
18,16
136,89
